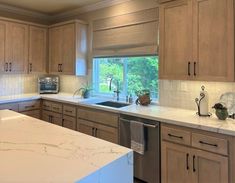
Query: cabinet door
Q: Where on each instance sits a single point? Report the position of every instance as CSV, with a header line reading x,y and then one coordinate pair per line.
x,y
33,113
106,133
3,31
213,39
56,118
209,167
68,49
176,40
176,167
46,116
37,49
85,127
69,122
17,47
55,49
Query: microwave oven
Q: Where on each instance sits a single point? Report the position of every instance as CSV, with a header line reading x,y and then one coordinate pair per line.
x,y
48,85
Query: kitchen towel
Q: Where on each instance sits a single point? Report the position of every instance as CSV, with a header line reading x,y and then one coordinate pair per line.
x,y
137,137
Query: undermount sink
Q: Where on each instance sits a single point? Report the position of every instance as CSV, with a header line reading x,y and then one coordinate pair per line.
x,y
112,104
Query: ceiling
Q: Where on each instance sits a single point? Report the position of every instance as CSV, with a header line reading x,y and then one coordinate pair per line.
x,y
50,7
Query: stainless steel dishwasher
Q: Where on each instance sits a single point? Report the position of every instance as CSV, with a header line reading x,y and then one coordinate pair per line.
x,y
147,166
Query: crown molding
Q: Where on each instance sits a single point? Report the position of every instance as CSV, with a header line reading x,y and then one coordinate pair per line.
x,y
67,14
88,8
24,12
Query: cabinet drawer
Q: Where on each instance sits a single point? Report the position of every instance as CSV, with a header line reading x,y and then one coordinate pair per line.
x,y
209,143
33,113
69,110
30,105
69,122
176,135
11,106
102,117
46,105
56,107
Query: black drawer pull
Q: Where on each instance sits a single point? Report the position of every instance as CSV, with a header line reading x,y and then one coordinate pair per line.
x,y
189,68
194,69
175,136
209,144
194,169
187,160
6,67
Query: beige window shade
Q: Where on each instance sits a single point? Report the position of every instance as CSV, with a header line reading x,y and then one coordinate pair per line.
x,y
132,34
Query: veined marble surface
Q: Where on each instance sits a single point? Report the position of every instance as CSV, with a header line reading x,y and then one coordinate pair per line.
x,y
181,117
34,151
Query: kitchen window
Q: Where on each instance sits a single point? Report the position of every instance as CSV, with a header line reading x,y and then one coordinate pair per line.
x,y
130,73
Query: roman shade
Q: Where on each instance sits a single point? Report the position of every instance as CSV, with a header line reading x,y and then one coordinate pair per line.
x,y
131,34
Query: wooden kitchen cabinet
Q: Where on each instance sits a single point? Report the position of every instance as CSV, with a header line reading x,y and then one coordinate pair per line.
x,y
175,40
52,117
68,48
69,122
17,46
10,106
197,40
100,124
193,163
3,32
37,49
33,113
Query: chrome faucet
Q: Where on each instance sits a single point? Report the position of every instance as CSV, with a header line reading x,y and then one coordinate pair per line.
x,y
117,91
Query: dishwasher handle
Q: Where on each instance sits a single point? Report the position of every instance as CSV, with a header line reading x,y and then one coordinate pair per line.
x,y
145,125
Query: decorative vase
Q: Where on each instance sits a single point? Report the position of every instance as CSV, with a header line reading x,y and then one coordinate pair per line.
x,y
86,94
222,114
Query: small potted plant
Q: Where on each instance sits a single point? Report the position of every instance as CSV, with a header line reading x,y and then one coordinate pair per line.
x,y
85,90
143,97
220,111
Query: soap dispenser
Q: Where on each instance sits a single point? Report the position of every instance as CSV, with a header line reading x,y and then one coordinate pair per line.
x,y
202,103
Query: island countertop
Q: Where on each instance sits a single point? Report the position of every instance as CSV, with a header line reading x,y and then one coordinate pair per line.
x,y
34,151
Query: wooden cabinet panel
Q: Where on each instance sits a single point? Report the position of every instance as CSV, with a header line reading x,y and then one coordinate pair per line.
x,y
46,105
107,133
176,164
213,39
56,107
56,118
68,49
208,143
176,135
102,117
3,33
37,49
55,49
17,47
85,127
209,167
33,113
10,106
30,105
69,122
69,110
175,40
46,116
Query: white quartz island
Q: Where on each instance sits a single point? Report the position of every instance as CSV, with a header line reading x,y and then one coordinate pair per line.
x,y
34,151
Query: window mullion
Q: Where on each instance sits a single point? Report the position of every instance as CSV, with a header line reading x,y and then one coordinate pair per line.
x,y
125,79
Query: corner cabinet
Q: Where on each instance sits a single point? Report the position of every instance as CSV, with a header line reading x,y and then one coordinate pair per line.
x,y
68,48
197,40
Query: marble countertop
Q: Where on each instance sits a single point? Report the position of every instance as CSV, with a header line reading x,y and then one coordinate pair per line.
x,y
34,151
181,117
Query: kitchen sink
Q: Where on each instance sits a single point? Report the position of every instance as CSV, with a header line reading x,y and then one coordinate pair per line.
x,y
112,104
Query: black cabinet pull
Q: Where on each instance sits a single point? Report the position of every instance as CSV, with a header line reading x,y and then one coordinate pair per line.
x,y
194,68
194,169
10,64
187,160
175,136
30,67
189,74
58,67
6,67
68,111
61,69
209,144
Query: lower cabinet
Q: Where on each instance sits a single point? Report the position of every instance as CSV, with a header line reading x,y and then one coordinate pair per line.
x,y
33,113
183,165
97,130
193,163
69,122
52,117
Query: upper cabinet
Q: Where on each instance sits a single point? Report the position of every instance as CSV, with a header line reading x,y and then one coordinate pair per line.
x,y
37,49
197,40
68,48
22,47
